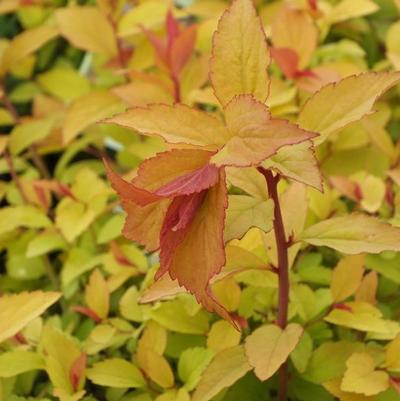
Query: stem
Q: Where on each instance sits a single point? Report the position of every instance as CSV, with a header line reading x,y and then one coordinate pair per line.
x,y
283,269
14,176
177,88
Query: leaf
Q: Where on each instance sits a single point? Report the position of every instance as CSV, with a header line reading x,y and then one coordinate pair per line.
x,y
393,355
301,355
61,353
333,386
328,361
28,133
97,295
26,43
294,29
359,316
64,83
392,44
268,347
222,335
240,43
366,292
12,217
227,367
17,310
155,366
89,109
98,36
353,234
175,317
346,277
362,378
339,104
13,363
245,212
175,124
348,9
253,134
117,373
297,162
191,365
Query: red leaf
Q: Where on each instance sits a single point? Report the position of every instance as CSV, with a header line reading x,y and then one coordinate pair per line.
x,y
172,27
87,312
77,371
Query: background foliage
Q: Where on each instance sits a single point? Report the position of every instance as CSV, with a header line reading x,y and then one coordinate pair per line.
x,y
64,66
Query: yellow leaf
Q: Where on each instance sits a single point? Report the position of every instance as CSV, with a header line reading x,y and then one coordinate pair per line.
x,y
175,124
89,109
87,28
227,367
346,277
362,378
393,355
29,132
17,310
268,347
240,43
348,9
245,212
64,83
16,362
97,295
174,395
366,292
117,373
222,335
6,118
297,162
359,316
294,29
150,14
248,179
393,45
333,386
25,44
8,6
353,234
156,367
12,217
342,103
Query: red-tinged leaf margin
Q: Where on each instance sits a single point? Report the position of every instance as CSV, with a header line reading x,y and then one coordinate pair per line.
x,y
77,371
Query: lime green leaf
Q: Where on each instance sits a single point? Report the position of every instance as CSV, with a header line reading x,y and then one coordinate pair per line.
x,y
191,365
268,347
16,362
227,367
22,216
245,212
328,362
362,378
352,234
116,373
222,335
65,83
174,316
342,103
16,311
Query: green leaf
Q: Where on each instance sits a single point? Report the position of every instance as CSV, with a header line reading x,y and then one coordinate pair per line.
x,y
353,234
116,372
245,212
16,362
13,217
191,365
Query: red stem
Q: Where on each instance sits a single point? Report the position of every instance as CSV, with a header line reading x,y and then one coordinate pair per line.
x,y
177,88
282,245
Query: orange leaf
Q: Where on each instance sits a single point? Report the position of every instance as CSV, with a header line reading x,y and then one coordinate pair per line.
x,y
254,135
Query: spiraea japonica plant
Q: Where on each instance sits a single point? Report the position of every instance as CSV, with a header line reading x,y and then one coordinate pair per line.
x,y
225,172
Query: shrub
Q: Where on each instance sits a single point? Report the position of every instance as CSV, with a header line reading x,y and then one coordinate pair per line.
x,y
252,251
